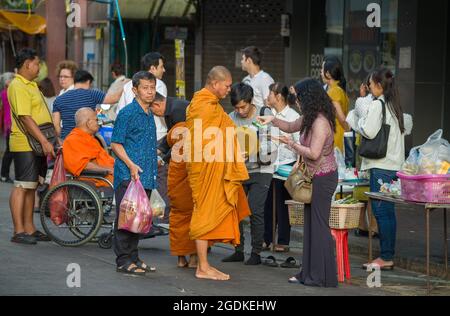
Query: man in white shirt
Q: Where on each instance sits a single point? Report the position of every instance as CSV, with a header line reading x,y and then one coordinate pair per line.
x,y
120,81
258,79
153,63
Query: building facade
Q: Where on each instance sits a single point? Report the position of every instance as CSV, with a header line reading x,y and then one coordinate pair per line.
x,y
408,36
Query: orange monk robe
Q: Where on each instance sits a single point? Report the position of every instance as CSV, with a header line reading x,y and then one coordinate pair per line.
x,y
180,195
219,199
79,149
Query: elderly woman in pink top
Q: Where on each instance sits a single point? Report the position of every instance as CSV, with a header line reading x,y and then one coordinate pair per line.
x,y
317,127
6,126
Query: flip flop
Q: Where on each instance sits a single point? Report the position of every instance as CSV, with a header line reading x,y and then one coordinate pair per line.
x,y
290,263
271,261
282,249
384,268
131,271
147,268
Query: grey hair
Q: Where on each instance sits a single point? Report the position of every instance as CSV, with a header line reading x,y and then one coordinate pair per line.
x,y
4,78
80,116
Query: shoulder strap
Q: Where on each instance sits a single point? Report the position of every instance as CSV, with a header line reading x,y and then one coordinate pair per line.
x,y
263,110
383,105
20,124
302,161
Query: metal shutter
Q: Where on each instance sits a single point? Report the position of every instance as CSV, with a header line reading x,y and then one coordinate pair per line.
x,y
231,25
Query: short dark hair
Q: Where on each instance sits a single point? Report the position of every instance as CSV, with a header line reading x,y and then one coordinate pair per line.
x,y
254,53
142,75
151,59
159,97
117,69
24,55
241,92
82,76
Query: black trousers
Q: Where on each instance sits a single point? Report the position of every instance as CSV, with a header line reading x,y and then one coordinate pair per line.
x,y
319,262
282,214
125,244
256,189
7,160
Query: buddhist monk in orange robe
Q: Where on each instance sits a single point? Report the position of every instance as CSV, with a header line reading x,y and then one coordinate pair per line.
x,y
181,204
82,152
219,198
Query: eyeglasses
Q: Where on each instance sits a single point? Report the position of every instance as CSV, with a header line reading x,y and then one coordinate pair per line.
x,y
65,77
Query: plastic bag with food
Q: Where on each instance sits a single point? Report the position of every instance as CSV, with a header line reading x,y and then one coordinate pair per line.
x,y
135,211
158,205
430,158
433,154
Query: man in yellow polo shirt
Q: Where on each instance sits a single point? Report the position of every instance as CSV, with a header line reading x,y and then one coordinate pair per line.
x,y
28,106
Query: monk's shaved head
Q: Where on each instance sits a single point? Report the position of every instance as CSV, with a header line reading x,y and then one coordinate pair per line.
x,y
219,82
218,73
83,115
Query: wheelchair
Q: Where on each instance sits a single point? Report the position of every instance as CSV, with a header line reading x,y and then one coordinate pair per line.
x,y
88,211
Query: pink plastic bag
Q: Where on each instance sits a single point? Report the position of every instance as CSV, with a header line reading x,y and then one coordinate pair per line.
x,y
59,201
135,210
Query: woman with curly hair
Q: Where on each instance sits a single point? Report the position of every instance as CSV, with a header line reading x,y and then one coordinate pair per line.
x,y
65,71
317,127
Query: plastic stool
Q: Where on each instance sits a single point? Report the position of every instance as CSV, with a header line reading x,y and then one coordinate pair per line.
x,y
342,258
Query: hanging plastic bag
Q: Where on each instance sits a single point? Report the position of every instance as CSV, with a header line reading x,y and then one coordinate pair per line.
x,y
340,160
135,211
350,149
59,201
158,204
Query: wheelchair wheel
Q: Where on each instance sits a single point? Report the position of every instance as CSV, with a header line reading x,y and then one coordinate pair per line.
x,y
105,241
82,209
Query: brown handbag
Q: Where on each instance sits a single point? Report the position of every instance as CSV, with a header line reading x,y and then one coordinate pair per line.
x,y
299,183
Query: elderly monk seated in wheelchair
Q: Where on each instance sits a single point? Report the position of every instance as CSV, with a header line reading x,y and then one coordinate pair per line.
x,y
83,153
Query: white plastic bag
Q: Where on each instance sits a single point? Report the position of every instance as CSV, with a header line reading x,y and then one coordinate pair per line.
x,y
158,205
340,160
430,157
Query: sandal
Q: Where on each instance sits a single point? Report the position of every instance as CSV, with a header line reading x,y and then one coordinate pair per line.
x,y
24,239
271,261
41,236
266,247
131,269
290,263
141,265
294,280
281,248
382,268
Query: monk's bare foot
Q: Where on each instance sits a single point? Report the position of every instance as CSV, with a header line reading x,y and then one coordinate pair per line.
x,y
182,262
193,262
210,274
227,276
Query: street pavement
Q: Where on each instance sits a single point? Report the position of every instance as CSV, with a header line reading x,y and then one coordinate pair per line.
x,y
41,270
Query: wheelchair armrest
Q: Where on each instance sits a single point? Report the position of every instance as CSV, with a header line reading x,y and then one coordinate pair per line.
x,y
88,173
